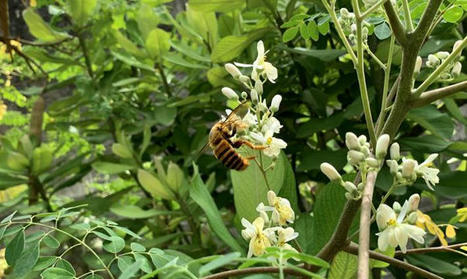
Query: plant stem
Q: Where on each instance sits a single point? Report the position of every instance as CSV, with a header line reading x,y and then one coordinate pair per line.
x,y
436,94
407,17
252,270
372,8
387,75
389,192
381,64
364,236
87,60
164,79
431,249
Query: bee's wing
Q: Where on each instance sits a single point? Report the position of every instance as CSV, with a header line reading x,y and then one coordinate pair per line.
x,y
239,112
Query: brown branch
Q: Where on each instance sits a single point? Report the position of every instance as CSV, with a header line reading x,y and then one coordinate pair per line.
x,y
251,270
364,235
431,249
423,26
396,24
439,93
353,249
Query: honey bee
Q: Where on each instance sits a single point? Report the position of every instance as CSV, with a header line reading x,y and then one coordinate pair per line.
x,y
220,140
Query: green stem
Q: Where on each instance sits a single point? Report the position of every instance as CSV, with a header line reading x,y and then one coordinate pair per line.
x,y
381,64
387,75
407,17
393,186
372,8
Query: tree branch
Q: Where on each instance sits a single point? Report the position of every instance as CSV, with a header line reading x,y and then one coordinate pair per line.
x,y
251,270
396,24
423,26
439,93
431,249
364,235
353,249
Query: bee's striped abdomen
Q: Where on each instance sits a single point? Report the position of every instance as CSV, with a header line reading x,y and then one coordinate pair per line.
x,y
229,156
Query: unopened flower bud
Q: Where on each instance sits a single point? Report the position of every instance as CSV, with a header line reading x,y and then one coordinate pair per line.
x,y
408,168
393,166
244,95
365,150
372,162
445,76
229,93
233,70
355,157
394,151
353,28
414,200
433,61
351,141
365,33
349,187
360,186
397,207
382,146
412,219
418,65
254,96
442,54
349,196
259,87
275,103
362,139
330,172
262,106
244,79
344,12
456,69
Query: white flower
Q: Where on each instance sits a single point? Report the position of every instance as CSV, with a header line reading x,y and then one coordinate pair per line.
x,y
259,239
266,138
393,232
276,101
261,208
330,172
442,54
260,66
433,61
282,212
430,175
408,169
271,125
254,96
229,93
284,236
250,119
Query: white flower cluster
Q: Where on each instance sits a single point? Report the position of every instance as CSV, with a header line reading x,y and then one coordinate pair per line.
x,y
262,125
408,170
275,234
397,224
347,21
452,70
359,156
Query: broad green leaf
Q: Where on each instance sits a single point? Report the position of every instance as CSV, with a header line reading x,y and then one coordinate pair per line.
x,y
290,34
216,5
40,29
380,264
153,185
231,47
218,76
454,110
66,265
434,264
57,273
135,212
137,247
123,262
188,51
325,55
343,266
425,144
449,185
304,32
7,181
44,262
165,115
131,270
453,14
51,241
128,45
439,124
27,260
110,168
41,159
17,161
81,10
313,30
312,159
323,25
157,43
175,176
147,20
203,24
132,61
145,266
15,248
220,261
179,60
250,188
201,196
121,151
115,244
382,31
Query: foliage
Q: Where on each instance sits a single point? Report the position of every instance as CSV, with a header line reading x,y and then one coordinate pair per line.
x,y
106,105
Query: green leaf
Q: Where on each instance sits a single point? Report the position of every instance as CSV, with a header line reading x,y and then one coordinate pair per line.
x,y
220,261
448,185
343,266
115,244
80,10
380,264
153,185
250,187
313,30
425,144
132,61
27,260
454,110
312,159
44,262
40,29
131,270
175,176
304,31
15,248
135,212
216,5
137,247
41,159
434,264
66,265
147,19
323,25
453,14
382,31
231,47
121,151
110,168
57,273
51,241
165,115
200,194
290,34
157,43
145,266
179,60
325,55
439,124
128,45
124,262
7,181
188,51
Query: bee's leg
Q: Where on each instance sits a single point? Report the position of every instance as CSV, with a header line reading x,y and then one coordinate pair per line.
x,y
240,142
